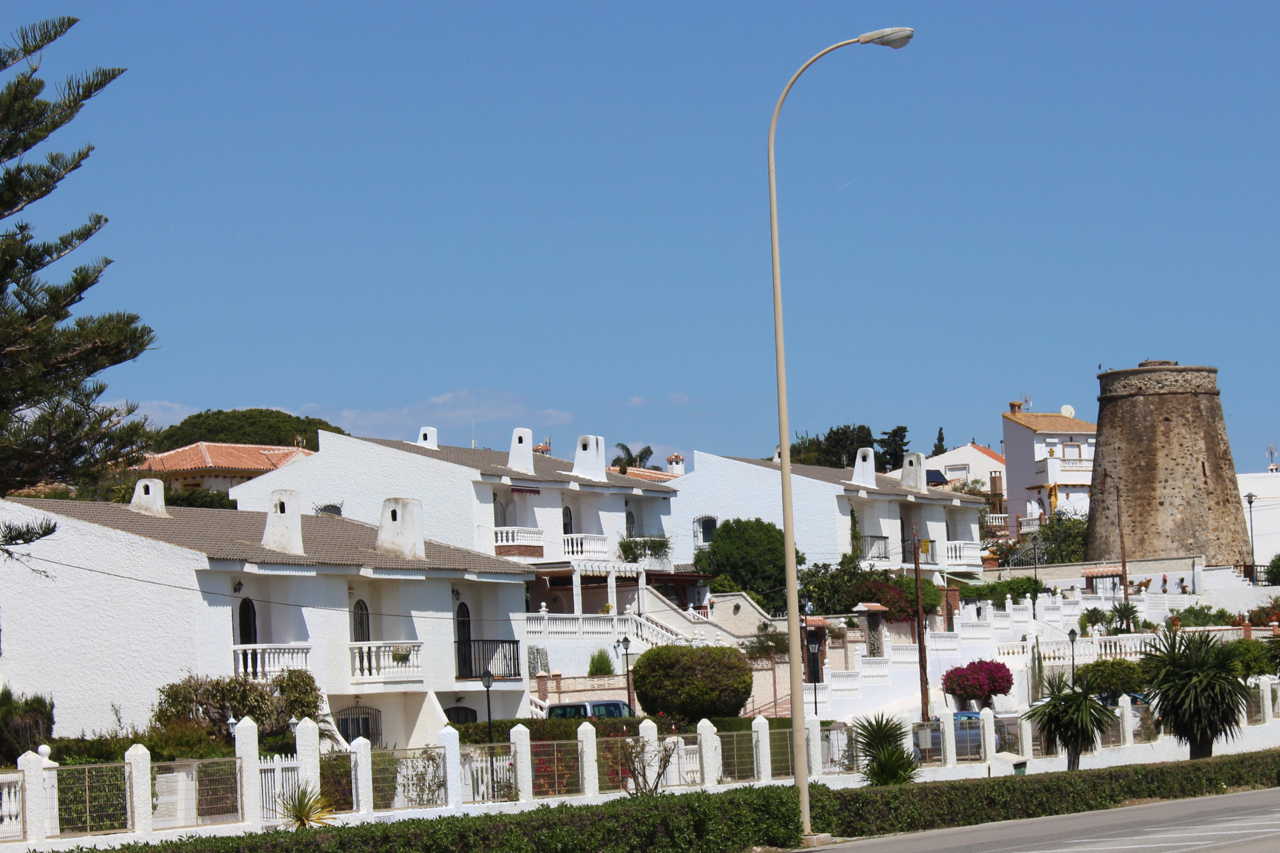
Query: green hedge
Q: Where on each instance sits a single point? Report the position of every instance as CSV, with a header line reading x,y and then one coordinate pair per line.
x,y
729,822
860,812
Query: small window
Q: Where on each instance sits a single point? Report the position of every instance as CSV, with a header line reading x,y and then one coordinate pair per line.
x,y
393,515
519,439
566,516
146,489
631,524
460,714
280,507
360,721
706,530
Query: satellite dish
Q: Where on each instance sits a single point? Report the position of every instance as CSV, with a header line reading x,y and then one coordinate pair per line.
x,y
1068,412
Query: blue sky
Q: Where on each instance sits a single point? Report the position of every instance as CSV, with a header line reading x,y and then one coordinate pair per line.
x,y
555,215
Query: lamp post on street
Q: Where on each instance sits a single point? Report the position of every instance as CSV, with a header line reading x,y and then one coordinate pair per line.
x,y
625,642
1253,562
895,37
1071,635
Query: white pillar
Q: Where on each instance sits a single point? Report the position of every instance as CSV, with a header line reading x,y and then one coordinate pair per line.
x,y
588,761
246,734
139,761
989,747
813,727
613,592
452,767
31,766
577,591
764,759
1268,708
307,742
709,754
362,755
49,782
1125,712
640,583
649,743
522,757
948,737
1024,738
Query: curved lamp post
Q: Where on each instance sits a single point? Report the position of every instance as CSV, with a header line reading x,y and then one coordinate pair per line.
x,y
894,37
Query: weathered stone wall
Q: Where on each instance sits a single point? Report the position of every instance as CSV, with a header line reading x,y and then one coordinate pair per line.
x,y
1162,447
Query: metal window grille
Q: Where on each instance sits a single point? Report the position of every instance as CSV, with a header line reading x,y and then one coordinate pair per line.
x,y
1008,735
927,740
90,799
11,798
195,793
359,721
782,754
337,782
408,778
500,657
557,770
969,740
488,773
738,756
839,750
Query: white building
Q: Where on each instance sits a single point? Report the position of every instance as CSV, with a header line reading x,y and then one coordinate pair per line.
x,y
1264,519
722,487
967,463
124,598
1048,465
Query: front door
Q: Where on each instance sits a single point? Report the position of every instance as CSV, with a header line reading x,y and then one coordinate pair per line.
x,y
462,627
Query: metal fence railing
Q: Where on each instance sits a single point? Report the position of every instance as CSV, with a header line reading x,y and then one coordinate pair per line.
x,y
782,754
1146,730
194,793
614,759
408,778
89,799
488,773
927,740
557,768
1041,746
11,798
1113,734
738,756
1009,735
969,740
686,762
839,750
1253,707
337,781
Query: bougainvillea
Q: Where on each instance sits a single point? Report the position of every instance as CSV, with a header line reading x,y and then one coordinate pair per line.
x,y
901,608
978,681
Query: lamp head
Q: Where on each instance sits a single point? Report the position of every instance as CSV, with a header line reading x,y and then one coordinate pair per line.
x,y
894,37
486,680
1249,497
1071,635
626,643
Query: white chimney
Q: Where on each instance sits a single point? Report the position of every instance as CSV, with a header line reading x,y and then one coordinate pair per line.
x,y
284,523
777,454
864,468
427,438
521,456
148,498
675,464
588,458
913,473
400,531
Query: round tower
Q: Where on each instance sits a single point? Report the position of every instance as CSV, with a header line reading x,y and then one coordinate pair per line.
x,y
1163,463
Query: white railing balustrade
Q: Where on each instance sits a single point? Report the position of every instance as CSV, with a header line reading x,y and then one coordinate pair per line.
x,y
845,683
1019,651
264,661
975,630
638,625
824,699
517,536
585,545
964,553
395,661
904,654
1028,525
995,519
944,642
11,788
876,670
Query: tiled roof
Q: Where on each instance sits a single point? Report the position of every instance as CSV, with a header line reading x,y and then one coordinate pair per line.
x,y
646,474
1050,422
546,468
228,534
207,455
987,451
840,476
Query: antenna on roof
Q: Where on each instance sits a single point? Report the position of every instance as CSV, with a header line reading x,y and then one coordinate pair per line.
x,y
1271,453
1026,402
473,435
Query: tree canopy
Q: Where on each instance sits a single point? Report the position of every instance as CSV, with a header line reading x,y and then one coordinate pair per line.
x,y
837,448
750,552
245,426
53,425
893,448
640,459
939,444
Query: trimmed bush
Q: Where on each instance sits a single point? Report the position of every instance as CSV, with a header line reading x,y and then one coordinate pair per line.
x,y
692,683
1113,677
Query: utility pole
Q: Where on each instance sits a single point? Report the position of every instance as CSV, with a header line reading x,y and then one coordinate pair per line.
x,y
1124,565
924,663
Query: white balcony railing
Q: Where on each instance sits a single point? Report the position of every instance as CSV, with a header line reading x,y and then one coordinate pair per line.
x,y
964,553
400,661
997,519
586,545
1077,464
264,661
1029,525
517,536
904,654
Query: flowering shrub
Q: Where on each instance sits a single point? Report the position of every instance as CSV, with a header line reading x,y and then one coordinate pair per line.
x,y
978,681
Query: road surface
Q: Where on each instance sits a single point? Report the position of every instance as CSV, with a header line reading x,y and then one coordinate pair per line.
x,y
1240,823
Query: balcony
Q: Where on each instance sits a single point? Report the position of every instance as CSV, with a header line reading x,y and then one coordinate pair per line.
x,y
517,542
500,657
964,553
928,552
997,519
374,662
1028,525
586,545
875,547
264,661
1053,470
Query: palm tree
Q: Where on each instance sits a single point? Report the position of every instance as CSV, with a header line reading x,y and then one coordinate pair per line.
x,y
1124,613
1093,617
1072,717
626,459
1196,688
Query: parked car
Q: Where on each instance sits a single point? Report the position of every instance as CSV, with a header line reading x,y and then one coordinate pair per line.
x,y
590,708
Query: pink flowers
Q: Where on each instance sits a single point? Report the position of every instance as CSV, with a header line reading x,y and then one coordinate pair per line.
x,y
978,681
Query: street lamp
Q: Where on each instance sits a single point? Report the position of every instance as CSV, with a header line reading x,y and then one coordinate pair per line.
x,y
1252,559
1059,516
625,642
895,37
486,681
1071,635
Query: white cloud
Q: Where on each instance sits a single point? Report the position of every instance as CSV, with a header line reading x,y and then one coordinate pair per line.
x,y
635,401
160,412
555,417
678,399
454,409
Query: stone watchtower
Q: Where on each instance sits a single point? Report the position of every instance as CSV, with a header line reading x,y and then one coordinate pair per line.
x,y
1163,442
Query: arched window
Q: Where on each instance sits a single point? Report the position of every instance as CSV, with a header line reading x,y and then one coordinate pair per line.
x,y
462,633
360,721
631,524
566,515
359,622
499,513
704,530
248,623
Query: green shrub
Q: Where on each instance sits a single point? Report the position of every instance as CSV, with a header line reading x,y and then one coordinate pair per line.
x,y
692,683
210,702
1113,677
601,663
1253,658
1272,576
996,592
25,723
1203,616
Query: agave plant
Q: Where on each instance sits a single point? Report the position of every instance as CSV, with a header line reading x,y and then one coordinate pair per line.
x,y
879,740
304,806
1072,717
1196,688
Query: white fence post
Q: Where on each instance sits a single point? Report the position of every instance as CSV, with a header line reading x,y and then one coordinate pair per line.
x,y
307,741
452,766
522,756
49,782
246,734
764,757
650,750
989,747
948,737
590,770
33,802
813,746
1268,710
139,760
1126,720
362,755
709,754
1024,737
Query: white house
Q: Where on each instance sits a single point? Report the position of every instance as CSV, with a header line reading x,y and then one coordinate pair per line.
x,y
886,509
124,598
965,463
1263,517
1048,465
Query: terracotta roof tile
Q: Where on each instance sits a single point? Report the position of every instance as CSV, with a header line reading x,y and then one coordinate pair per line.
x,y
207,455
1050,422
646,474
987,451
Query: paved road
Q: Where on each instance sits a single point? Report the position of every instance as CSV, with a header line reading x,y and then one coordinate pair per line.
x,y
1239,823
